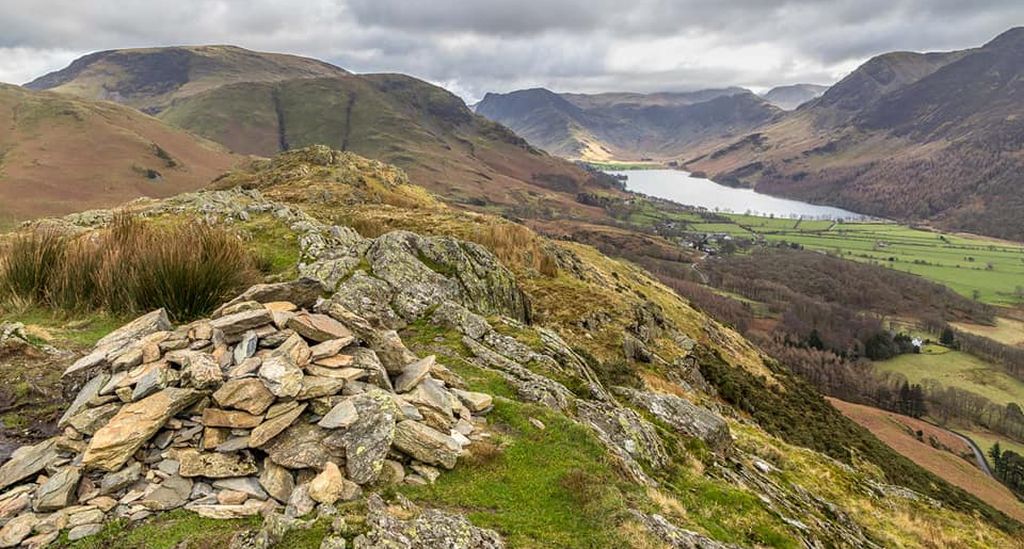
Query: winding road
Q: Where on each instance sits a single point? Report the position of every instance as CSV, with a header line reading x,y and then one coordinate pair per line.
x,y
978,454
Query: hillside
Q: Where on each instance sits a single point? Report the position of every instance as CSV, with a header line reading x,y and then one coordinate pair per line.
x,y
257,103
790,97
59,154
938,450
626,126
594,406
912,136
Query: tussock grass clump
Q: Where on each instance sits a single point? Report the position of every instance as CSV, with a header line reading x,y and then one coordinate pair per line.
x,y
130,267
516,245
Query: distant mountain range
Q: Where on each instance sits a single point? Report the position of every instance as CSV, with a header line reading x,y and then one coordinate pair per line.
x,y
626,125
915,136
926,136
791,97
253,103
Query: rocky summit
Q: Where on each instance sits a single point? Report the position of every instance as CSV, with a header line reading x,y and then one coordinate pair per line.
x,y
264,409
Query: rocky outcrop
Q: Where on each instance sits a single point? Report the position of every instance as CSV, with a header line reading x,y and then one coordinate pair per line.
x,y
675,537
684,417
429,528
264,405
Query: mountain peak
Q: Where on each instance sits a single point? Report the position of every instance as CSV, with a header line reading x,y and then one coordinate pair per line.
x,y
1011,39
145,77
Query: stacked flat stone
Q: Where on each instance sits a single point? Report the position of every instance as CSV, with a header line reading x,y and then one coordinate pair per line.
x,y
264,407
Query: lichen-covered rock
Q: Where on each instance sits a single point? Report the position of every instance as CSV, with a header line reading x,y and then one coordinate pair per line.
x,y
685,417
303,292
430,529
675,537
455,316
370,298
302,446
632,438
427,271
368,438
213,465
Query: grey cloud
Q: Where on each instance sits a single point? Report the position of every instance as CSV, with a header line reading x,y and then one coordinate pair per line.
x,y
476,46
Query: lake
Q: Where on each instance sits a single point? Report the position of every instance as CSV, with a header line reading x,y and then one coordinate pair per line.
x,y
679,186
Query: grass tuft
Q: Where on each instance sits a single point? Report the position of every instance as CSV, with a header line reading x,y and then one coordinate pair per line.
x,y
130,267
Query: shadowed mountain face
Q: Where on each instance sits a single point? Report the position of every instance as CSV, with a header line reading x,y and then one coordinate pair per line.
x,y
934,136
259,103
626,125
149,79
790,97
59,154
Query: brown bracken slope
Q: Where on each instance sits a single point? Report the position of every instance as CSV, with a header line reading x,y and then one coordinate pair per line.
x,y
59,155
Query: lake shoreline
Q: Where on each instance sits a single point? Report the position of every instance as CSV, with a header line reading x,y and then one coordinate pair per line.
x,y
684,188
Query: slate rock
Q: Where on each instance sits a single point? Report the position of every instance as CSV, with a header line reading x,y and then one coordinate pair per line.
x,y
133,425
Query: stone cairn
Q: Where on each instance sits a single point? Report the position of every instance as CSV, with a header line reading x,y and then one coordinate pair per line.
x,y
266,407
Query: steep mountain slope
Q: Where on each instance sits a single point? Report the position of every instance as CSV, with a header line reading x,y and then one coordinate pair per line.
x,y
59,154
621,416
290,102
790,97
916,136
626,126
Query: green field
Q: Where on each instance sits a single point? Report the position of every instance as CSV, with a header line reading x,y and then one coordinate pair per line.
x,y
977,267
986,440
957,369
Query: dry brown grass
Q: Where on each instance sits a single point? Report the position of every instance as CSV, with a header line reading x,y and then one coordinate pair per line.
x,y
636,536
482,452
516,245
896,432
130,267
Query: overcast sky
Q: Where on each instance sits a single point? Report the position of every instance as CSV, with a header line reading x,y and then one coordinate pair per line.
x,y
475,46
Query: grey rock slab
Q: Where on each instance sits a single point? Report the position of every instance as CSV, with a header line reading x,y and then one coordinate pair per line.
x,y
413,374
277,481
118,480
302,446
58,491
282,376
684,417
341,416
118,340
88,392
28,461
247,485
172,493
84,531
303,292
426,444
367,440
234,325
269,429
